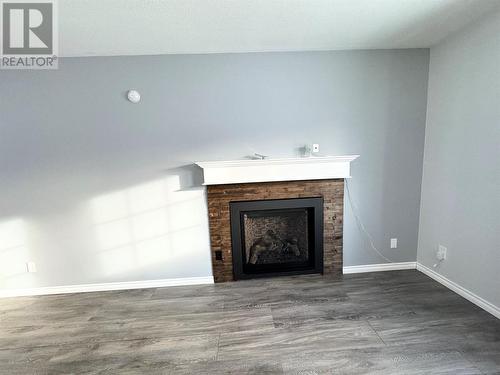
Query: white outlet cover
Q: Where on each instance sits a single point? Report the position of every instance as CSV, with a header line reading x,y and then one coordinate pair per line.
x,y
394,243
31,267
315,147
441,253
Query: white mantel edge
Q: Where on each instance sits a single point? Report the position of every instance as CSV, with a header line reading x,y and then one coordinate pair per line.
x,y
272,170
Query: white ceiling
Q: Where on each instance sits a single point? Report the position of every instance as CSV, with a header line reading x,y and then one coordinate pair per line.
x,y
146,27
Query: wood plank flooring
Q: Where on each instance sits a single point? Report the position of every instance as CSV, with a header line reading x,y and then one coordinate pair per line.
x,y
399,322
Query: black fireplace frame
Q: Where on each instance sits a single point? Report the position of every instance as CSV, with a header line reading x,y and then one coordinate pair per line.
x,y
237,210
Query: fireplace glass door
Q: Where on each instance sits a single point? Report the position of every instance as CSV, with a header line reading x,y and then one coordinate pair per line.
x,y
272,237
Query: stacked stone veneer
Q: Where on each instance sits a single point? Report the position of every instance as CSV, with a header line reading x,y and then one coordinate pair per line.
x,y
219,197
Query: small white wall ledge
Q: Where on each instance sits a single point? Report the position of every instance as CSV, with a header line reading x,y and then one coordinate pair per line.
x,y
269,170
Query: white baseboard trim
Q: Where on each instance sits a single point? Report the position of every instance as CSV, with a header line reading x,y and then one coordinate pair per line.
x,y
467,294
380,267
83,288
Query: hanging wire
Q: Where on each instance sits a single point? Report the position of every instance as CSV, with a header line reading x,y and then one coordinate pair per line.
x,y
360,223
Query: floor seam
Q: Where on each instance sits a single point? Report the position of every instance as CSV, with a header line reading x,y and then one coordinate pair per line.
x,y
374,330
218,347
107,341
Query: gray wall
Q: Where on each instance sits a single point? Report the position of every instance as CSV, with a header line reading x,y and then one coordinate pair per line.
x,y
96,189
461,181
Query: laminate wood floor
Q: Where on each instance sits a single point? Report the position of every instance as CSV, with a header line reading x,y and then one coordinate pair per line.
x,y
399,322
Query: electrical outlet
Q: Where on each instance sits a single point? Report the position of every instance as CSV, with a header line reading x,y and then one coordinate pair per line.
x,y
31,267
315,148
441,252
394,243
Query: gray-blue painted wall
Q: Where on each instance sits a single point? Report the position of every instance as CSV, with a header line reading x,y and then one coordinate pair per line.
x,y
96,189
461,182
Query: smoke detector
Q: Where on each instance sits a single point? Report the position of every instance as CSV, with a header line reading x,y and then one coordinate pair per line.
x,y
133,96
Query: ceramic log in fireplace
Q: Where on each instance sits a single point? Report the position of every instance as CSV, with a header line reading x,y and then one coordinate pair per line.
x,y
277,237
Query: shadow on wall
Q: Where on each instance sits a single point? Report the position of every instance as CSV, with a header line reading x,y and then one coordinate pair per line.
x,y
13,250
153,223
151,230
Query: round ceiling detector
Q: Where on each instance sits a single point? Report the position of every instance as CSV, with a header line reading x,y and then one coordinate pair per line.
x,y
134,96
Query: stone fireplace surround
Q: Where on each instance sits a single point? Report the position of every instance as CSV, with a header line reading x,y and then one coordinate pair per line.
x,y
219,197
253,180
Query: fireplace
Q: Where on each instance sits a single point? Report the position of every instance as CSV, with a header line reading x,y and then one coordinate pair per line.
x,y
225,198
230,182
277,237
289,210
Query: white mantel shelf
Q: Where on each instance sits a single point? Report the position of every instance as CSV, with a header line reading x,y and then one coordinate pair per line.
x,y
268,170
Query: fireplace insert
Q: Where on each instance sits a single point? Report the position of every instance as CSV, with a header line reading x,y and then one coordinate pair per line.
x,y
277,237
